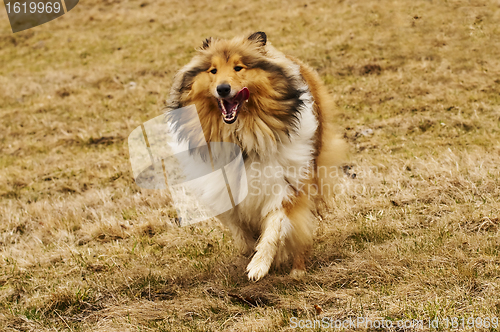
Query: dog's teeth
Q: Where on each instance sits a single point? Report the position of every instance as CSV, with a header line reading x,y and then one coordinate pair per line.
x,y
222,106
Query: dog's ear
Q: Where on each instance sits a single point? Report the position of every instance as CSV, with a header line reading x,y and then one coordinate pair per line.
x,y
258,37
183,82
206,43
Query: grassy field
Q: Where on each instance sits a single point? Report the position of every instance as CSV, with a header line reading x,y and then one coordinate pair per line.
x,y
415,235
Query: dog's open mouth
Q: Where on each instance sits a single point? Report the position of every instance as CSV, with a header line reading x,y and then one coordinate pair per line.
x,y
230,107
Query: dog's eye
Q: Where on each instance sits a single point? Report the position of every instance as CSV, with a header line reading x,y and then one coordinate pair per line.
x,y
238,68
214,71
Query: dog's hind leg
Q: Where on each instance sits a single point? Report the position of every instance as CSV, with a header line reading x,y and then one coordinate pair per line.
x,y
242,238
275,228
244,243
301,238
299,266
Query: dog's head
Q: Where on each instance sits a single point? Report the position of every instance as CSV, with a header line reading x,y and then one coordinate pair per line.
x,y
241,87
222,74
229,73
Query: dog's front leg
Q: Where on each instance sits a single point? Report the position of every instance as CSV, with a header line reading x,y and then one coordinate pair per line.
x,y
275,228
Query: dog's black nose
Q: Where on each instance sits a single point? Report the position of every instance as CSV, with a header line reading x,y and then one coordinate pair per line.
x,y
223,90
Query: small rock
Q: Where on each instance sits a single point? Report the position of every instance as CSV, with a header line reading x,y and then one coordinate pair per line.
x,y
367,132
40,44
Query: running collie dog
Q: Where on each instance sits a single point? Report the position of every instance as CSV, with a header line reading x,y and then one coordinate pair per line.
x,y
277,111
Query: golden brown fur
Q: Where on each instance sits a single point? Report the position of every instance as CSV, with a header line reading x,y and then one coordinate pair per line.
x,y
285,123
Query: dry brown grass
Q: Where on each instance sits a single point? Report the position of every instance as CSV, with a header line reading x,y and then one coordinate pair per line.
x,y
415,235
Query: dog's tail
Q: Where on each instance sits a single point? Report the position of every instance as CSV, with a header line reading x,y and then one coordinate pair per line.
x,y
332,149
331,157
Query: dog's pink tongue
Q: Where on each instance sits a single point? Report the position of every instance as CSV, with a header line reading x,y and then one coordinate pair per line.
x,y
242,95
230,108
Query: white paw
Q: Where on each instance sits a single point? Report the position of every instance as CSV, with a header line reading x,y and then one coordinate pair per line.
x,y
257,268
297,274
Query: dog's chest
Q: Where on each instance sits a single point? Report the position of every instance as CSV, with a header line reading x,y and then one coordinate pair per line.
x,y
276,179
